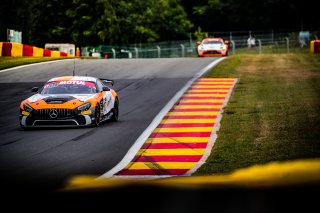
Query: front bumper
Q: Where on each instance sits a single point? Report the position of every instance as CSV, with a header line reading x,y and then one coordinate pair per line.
x,y
43,120
212,53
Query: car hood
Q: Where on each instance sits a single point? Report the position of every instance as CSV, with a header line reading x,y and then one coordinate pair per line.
x,y
212,46
60,98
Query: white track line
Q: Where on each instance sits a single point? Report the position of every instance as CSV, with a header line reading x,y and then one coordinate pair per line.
x,y
155,122
28,65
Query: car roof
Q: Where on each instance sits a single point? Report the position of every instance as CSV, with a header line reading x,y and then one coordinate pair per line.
x,y
74,78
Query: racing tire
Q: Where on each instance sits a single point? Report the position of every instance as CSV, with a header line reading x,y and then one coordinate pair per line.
x,y
115,111
97,116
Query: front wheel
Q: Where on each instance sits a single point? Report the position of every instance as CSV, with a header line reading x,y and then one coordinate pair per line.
x,y
97,116
115,111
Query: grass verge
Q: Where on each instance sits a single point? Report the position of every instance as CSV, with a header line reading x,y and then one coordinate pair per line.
x,y
8,62
273,113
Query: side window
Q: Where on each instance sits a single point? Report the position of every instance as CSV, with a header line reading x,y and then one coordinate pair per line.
x,y
99,86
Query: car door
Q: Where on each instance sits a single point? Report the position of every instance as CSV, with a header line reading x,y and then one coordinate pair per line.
x,y
106,103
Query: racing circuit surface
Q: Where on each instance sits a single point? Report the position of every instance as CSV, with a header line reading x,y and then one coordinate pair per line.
x,y
44,159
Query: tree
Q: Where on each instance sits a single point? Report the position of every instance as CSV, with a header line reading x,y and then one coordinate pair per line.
x,y
200,35
125,21
50,23
16,15
84,16
229,15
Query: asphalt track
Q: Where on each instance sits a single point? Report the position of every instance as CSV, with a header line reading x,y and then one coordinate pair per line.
x,y
44,159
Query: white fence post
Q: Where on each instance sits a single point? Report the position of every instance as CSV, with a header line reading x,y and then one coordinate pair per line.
x,y
259,41
114,53
233,46
159,51
137,53
182,49
287,39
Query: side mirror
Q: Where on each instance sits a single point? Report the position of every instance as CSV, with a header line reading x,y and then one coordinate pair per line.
x,y
226,42
198,42
34,89
105,89
107,81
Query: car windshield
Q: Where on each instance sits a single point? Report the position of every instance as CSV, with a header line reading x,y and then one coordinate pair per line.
x,y
212,42
69,87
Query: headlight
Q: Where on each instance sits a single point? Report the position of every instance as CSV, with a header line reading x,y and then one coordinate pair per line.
x,y
84,107
27,107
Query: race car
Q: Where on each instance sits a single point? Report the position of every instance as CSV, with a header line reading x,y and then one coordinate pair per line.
x,y
213,47
70,101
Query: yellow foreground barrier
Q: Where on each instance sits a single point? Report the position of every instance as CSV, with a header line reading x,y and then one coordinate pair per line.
x,y
290,173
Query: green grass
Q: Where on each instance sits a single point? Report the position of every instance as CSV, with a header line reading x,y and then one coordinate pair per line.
x,y
271,49
273,113
8,62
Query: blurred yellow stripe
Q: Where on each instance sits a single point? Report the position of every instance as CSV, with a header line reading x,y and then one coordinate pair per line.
x,y
303,172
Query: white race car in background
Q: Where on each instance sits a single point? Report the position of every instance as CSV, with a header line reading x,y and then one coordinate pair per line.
x,y
213,47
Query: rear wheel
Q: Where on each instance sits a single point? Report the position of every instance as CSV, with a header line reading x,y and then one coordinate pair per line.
x,y
115,111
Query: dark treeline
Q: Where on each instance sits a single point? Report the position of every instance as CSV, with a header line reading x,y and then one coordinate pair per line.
x,y
93,22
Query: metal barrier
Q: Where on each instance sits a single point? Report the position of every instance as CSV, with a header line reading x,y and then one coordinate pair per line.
x,y
262,43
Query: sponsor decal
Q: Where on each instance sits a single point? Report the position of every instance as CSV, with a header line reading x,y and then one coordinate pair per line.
x,y
80,83
50,85
73,82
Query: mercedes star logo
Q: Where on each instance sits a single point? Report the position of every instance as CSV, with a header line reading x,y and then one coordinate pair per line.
x,y
53,113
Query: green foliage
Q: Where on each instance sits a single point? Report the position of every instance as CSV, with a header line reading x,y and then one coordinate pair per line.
x,y
94,22
200,35
142,21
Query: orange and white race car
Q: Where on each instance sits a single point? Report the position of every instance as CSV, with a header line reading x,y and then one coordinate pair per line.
x,y
213,47
70,101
